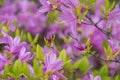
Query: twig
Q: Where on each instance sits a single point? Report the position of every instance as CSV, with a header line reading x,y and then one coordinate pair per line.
x,y
95,24
117,61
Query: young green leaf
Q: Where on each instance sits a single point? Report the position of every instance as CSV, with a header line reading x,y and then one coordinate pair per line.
x,y
78,10
29,36
17,33
76,64
112,5
84,64
107,4
104,71
36,38
6,71
26,70
37,68
17,68
117,77
39,53
63,55
105,44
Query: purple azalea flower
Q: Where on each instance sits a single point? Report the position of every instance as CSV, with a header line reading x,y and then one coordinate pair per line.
x,y
52,64
3,61
114,17
25,6
73,3
97,40
23,55
116,32
54,30
35,22
13,45
90,77
47,5
57,76
95,78
70,18
80,47
114,45
6,18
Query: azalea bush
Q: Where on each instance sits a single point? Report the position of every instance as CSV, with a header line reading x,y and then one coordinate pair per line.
x,y
59,40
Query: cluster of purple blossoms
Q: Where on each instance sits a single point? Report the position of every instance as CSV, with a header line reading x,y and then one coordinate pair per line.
x,y
59,40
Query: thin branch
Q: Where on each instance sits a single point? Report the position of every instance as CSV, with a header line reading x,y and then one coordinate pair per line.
x,y
87,23
95,24
100,20
117,61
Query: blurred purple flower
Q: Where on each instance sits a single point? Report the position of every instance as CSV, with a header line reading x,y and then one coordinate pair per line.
x,y
58,76
97,40
3,61
80,47
51,63
25,6
95,78
114,17
114,45
70,18
116,32
35,22
23,55
73,3
13,45
47,5
8,19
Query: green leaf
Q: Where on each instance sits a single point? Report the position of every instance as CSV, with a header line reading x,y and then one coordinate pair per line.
x,y
36,38
117,77
107,4
84,64
52,17
52,37
106,78
66,62
104,71
83,1
105,44
112,5
37,68
103,11
108,50
39,53
1,76
1,2
92,1
88,42
6,71
69,66
89,46
76,64
116,54
78,10
96,73
67,40
29,36
21,35
63,55
26,70
12,75
17,68
17,33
